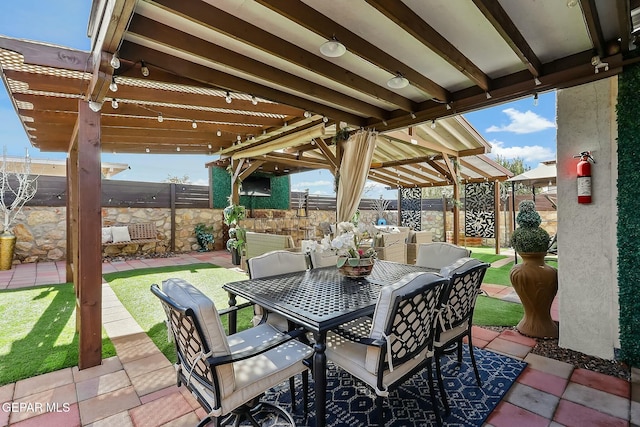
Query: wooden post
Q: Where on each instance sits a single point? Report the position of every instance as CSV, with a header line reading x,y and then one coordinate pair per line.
x,y
444,216
456,213
88,270
496,187
172,193
71,215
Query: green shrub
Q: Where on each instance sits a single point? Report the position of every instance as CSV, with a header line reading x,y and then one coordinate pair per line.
x,y
529,237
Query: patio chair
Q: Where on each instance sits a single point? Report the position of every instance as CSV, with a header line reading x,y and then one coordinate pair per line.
x,y
437,255
228,374
397,342
455,322
271,264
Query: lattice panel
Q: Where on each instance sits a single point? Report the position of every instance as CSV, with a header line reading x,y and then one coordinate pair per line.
x,y
479,205
410,208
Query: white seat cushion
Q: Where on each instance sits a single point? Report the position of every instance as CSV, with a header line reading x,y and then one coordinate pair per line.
x,y
120,234
106,235
439,254
276,262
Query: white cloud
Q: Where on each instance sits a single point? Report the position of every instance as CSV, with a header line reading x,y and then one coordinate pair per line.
x,y
527,122
529,153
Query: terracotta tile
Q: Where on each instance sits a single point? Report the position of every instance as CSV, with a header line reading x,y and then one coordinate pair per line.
x,y
144,348
38,403
121,419
4,416
477,342
146,364
508,415
598,400
108,366
154,380
6,392
483,334
509,347
532,399
543,381
42,382
103,384
550,366
189,398
602,382
108,404
160,411
515,336
491,289
574,415
62,416
187,420
160,393
121,328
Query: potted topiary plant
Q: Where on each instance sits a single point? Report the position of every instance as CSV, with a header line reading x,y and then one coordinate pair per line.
x,y
204,236
535,282
232,215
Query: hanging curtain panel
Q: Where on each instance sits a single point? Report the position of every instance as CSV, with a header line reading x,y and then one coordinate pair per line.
x,y
479,210
411,208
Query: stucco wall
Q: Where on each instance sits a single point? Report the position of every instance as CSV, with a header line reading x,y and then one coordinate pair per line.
x,y
587,269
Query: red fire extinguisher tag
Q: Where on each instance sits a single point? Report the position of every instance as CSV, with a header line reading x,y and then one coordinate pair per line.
x,y
584,189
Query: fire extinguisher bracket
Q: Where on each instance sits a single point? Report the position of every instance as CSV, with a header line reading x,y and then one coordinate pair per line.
x,y
583,170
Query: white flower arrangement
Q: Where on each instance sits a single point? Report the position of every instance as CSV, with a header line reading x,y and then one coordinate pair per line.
x,y
348,243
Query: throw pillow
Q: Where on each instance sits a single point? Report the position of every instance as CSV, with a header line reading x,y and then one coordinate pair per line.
x,y
106,235
120,234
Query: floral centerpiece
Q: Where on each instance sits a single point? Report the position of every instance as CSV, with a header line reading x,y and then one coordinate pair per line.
x,y
355,258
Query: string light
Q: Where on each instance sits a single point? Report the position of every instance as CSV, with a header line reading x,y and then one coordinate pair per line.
x,y
160,118
535,99
143,69
115,61
307,114
433,124
537,81
325,119
413,115
254,100
194,124
114,104
448,106
113,86
209,146
147,150
239,138
228,98
488,95
178,149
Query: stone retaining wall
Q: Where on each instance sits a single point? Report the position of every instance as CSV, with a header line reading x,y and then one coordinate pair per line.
x,y
41,231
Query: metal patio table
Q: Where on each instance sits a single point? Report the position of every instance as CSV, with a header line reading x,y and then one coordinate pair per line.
x,y
319,300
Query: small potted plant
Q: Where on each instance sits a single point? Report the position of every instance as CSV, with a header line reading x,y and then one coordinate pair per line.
x,y
204,236
232,215
535,282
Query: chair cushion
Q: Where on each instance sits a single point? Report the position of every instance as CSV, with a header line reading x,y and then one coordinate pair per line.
x,y
439,254
459,265
276,262
187,295
384,310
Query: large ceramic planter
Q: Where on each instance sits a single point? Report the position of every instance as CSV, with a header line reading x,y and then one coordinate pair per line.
x,y
536,283
7,246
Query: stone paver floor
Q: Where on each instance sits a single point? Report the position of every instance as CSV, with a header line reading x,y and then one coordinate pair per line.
x,y
137,387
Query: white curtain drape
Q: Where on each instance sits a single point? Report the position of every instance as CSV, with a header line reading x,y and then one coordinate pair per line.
x,y
354,169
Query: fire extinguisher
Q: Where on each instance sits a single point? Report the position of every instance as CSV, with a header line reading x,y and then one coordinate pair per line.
x,y
584,176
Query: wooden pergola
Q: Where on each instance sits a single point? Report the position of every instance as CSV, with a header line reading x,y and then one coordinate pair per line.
x,y
222,77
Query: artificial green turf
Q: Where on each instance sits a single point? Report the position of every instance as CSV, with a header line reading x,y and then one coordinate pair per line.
x,y
495,312
132,289
38,332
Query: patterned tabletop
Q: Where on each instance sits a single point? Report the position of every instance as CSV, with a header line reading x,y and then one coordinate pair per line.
x,y
321,298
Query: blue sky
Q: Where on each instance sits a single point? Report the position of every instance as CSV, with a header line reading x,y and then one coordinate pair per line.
x,y
516,129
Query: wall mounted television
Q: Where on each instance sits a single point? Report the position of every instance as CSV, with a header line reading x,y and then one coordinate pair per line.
x,y
256,186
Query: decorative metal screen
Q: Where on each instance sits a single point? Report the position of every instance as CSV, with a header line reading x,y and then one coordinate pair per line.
x,y
410,208
479,208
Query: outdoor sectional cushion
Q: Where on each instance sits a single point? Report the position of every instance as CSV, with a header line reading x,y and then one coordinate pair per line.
x,y
120,234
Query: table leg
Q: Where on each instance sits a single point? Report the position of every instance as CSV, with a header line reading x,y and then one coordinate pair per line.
x,y
233,314
320,377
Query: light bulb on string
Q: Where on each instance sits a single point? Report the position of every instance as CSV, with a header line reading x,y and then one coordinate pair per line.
x,y
254,100
219,133
160,118
115,61
114,104
144,69
147,150
178,149
433,124
113,86
227,98
194,124
535,99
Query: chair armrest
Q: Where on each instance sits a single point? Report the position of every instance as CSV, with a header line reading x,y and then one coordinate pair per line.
x,y
235,357
380,342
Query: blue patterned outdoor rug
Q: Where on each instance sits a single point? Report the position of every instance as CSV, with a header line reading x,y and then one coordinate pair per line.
x,y
352,403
